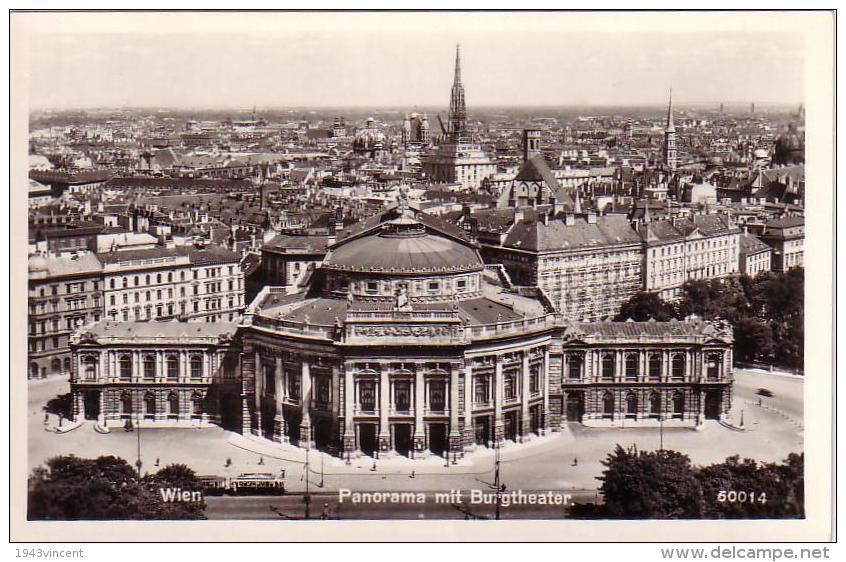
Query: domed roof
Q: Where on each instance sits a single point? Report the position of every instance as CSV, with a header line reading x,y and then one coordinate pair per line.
x,y
38,263
404,246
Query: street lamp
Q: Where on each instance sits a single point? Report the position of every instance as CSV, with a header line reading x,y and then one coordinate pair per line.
x,y
138,462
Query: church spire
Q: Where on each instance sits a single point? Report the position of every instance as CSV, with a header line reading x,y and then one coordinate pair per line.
x,y
671,128
457,79
670,151
457,107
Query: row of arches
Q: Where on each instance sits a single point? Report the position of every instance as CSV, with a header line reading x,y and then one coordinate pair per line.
x,y
654,365
151,406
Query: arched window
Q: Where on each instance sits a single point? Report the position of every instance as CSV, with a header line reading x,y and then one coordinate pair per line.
x,y
111,283
678,366
631,405
173,405
33,370
656,365
608,405
632,367
713,362
608,366
149,406
56,366
149,366
66,364
125,405
655,405
172,367
196,367
678,405
125,367
196,406
89,367
574,364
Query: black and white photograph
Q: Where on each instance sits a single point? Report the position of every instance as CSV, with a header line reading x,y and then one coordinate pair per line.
x,y
452,266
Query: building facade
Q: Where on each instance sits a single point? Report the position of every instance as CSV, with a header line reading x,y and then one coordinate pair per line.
x,y
755,256
685,248
587,265
403,343
786,237
156,374
64,293
197,284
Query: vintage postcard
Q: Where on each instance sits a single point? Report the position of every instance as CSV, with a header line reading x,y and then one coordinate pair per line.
x,y
496,275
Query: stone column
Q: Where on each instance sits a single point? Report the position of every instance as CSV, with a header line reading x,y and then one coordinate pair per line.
x,y
78,406
546,421
526,422
259,390
280,431
349,403
384,407
469,433
305,424
419,407
454,434
499,426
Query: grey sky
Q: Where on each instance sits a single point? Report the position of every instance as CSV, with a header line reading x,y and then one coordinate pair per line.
x,y
392,67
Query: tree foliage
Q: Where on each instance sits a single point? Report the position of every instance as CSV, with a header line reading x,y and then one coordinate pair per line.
x,y
664,485
107,488
646,306
766,312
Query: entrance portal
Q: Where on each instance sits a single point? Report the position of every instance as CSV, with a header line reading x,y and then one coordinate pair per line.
x,y
367,442
575,406
91,404
403,442
323,435
230,412
510,426
438,438
713,404
483,430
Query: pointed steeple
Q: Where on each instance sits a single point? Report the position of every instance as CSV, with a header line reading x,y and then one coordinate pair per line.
x,y
671,128
457,106
457,79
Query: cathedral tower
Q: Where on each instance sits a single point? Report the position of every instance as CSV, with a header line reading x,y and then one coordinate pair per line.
x,y
670,154
457,106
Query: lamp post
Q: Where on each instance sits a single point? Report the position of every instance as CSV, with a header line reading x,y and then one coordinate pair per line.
x,y
138,463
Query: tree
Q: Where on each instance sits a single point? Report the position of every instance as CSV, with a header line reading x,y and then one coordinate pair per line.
x,y
664,485
737,489
106,488
649,485
753,339
645,306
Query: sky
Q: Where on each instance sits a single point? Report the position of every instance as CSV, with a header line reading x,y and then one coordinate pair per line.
x,y
398,62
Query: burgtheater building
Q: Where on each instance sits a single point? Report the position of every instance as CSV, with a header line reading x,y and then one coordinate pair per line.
x,y
402,341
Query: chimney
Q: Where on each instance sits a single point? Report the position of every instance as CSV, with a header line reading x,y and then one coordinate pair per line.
x,y
545,218
591,218
569,219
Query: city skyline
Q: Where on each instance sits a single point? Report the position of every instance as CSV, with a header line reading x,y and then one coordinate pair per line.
x,y
387,69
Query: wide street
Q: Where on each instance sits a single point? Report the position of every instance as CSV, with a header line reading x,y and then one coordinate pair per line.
x,y
568,461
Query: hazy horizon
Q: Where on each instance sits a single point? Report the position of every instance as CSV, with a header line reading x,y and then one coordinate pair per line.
x,y
305,66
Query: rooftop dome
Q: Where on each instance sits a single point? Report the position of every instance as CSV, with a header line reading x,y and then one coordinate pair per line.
x,y
404,245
